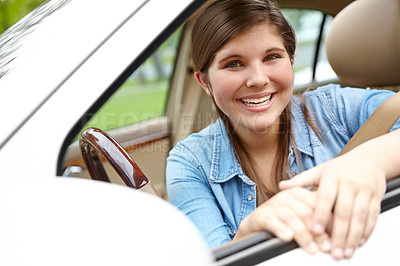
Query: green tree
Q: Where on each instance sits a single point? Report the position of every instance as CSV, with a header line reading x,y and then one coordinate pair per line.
x,y
12,11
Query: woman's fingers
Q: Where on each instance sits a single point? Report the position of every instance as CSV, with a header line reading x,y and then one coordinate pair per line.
x,y
279,228
374,211
324,242
304,196
343,214
356,209
326,198
302,235
354,220
298,216
271,215
305,179
326,195
358,224
287,215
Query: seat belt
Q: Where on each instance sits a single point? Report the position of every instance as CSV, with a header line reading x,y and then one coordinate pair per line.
x,y
378,124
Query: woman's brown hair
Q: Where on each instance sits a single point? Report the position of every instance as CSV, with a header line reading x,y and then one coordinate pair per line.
x,y
219,23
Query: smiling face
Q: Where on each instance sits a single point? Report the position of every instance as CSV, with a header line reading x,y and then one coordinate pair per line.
x,y
251,79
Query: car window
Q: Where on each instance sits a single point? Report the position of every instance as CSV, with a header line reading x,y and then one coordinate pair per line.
x,y
144,94
310,26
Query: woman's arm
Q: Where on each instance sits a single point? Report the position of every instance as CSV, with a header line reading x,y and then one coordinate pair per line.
x,y
287,215
189,191
351,185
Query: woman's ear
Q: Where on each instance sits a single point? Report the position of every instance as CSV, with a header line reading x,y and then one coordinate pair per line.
x,y
292,60
203,81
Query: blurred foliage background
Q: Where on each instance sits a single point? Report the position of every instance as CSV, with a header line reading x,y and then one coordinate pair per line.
x,y
13,10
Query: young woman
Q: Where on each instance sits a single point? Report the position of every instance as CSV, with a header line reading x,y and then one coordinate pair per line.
x,y
234,177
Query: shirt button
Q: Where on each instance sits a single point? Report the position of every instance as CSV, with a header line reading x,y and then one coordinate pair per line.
x,y
250,197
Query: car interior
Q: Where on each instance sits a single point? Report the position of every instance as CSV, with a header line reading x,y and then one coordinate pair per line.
x,y
362,49
186,108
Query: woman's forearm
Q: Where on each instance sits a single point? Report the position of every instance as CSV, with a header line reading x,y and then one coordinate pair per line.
x,y
384,152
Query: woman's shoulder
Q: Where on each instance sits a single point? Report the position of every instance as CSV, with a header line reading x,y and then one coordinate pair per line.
x,y
209,149
346,107
332,91
337,92
201,142
334,97
207,134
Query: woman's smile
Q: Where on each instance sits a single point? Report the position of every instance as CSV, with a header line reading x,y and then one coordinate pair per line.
x,y
257,104
256,101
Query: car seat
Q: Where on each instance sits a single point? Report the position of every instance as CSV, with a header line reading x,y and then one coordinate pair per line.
x,y
363,43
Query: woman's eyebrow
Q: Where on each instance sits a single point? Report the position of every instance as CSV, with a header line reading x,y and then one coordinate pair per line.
x,y
229,57
275,49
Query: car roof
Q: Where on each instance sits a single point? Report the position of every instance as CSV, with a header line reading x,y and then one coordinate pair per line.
x,y
47,46
326,6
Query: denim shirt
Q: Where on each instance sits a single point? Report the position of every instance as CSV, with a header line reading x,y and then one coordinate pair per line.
x,y
207,183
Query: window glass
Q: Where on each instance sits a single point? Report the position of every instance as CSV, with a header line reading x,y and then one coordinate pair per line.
x,y
307,25
144,94
324,70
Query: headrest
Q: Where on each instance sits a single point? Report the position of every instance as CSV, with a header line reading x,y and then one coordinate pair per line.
x,y
363,43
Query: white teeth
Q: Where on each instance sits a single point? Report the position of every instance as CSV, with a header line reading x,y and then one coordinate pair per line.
x,y
254,101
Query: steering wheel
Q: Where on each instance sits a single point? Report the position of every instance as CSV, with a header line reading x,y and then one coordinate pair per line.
x,y
95,143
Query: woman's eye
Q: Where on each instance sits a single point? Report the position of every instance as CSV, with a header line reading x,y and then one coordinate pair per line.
x,y
233,65
272,57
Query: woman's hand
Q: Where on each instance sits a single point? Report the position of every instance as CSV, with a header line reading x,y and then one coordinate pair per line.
x,y
288,215
350,190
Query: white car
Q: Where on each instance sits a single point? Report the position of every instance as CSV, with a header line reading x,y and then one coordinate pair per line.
x,y
124,66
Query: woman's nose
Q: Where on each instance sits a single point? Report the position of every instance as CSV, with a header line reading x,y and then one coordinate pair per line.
x,y
257,76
